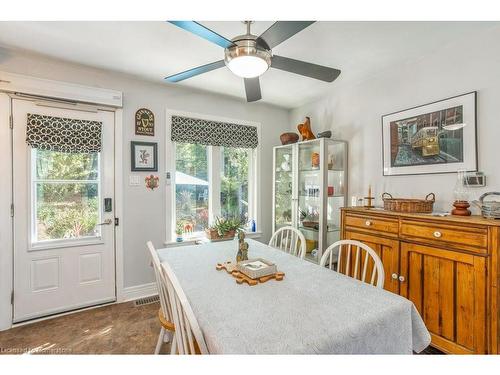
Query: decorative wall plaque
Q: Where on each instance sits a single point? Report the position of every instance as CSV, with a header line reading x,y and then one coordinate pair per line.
x,y
144,122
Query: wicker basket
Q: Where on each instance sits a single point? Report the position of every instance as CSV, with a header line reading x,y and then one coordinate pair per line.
x,y
489,209
409,205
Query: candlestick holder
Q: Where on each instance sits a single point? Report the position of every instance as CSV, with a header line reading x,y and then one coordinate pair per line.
x,y
369,201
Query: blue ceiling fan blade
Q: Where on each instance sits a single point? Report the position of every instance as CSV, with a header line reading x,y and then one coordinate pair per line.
x,y
203,32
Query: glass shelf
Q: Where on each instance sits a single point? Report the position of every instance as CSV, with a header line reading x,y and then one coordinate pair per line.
x,y
308,170
317,196
334,229
336,170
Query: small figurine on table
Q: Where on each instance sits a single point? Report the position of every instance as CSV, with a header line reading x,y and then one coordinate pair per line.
x,y
242,248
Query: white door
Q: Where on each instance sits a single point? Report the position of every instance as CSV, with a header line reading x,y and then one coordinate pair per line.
x,y
64,255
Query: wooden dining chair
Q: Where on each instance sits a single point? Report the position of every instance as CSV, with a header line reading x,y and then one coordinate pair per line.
x,y
188,338
167,330
289,240
347,258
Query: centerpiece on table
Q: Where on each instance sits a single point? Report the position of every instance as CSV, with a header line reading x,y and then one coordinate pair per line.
x,y
224,228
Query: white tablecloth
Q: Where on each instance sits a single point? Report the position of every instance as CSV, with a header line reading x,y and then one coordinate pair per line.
x,y
312,311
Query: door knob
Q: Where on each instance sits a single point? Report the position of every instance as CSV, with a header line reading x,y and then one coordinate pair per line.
x,y
106,222
394,276
401,278
437,234
368,223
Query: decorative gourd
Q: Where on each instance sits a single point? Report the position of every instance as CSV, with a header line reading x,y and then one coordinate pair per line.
x,y
305,130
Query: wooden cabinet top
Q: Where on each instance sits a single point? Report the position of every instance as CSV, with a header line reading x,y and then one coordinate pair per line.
x,y
471,220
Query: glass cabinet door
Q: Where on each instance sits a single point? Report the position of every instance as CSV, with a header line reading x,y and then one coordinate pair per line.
x,y
283,185
337,187
310,187
310,195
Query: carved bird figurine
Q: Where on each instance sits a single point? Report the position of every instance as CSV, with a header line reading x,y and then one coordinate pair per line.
x,y
305,130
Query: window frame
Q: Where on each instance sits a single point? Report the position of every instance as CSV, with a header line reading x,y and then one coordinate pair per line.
x,y
214,164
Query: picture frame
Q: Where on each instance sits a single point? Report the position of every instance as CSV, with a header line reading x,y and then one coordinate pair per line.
x,y
438,137
144,156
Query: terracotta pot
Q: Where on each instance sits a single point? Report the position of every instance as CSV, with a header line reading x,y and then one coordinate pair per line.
x,y
289,138
461,208
212,235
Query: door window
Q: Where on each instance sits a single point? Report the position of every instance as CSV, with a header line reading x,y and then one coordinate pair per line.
x,y
65,195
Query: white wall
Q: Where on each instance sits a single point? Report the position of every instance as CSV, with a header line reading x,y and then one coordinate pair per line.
x,y
353,112
144,210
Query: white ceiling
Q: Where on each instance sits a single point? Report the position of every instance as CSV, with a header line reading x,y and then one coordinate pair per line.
x,y
153,50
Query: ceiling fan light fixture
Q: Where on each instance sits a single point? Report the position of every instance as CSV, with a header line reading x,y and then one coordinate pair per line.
x,y
246,59
248,66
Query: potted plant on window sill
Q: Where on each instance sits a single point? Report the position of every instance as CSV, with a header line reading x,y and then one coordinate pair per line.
x,y
224,229
179,231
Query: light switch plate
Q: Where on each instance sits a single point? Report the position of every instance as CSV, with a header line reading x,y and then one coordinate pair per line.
x,y
133,180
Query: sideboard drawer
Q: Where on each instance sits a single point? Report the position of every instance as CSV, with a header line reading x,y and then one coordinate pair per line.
x,y
460,236
372,224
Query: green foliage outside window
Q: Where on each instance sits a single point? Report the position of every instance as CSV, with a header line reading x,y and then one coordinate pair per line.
x,y
66,208
191,200
234,183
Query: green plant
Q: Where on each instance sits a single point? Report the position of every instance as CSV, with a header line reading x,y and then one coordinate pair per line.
x,y
225,225
179,228
308,216
58,220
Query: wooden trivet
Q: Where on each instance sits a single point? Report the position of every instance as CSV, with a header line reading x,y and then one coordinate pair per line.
x,y
241,278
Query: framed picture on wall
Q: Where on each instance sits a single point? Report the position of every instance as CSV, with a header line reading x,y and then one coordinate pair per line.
x,y
438,137
144,156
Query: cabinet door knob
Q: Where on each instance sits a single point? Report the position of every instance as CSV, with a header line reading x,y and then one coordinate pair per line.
x,y
368,223
394,276
437,234
401,278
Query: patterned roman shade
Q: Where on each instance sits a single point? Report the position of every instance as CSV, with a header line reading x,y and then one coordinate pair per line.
x,y
63,134
213,133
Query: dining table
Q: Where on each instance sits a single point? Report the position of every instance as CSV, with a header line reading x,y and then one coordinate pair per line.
x,y
313,310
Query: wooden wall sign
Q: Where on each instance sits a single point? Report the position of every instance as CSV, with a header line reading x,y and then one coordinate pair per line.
x,y
144,122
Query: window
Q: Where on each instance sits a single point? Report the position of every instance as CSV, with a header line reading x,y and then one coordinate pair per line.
x,y
191,187
66,202
210,180
234,182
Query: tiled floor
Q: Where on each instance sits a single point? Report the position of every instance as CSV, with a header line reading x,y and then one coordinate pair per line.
x,y
114,329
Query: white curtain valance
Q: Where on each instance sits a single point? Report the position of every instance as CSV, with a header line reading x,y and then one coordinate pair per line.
x,y
213,133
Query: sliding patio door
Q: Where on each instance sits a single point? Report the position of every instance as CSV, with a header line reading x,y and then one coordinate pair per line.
x,y
63,193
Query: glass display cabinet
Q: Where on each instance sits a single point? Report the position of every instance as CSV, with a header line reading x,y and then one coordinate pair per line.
x,y
309,188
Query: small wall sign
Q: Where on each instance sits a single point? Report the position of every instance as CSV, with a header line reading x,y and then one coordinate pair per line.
x,y
144,122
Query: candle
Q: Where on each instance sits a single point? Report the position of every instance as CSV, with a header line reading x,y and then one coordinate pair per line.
x,y
369,190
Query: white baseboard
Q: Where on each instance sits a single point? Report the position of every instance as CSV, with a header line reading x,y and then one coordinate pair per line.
x,y
138,291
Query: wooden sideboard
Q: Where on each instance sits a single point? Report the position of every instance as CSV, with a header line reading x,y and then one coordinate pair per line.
x,y
447,266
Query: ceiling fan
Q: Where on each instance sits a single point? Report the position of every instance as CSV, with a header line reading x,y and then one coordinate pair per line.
x,y
249,56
